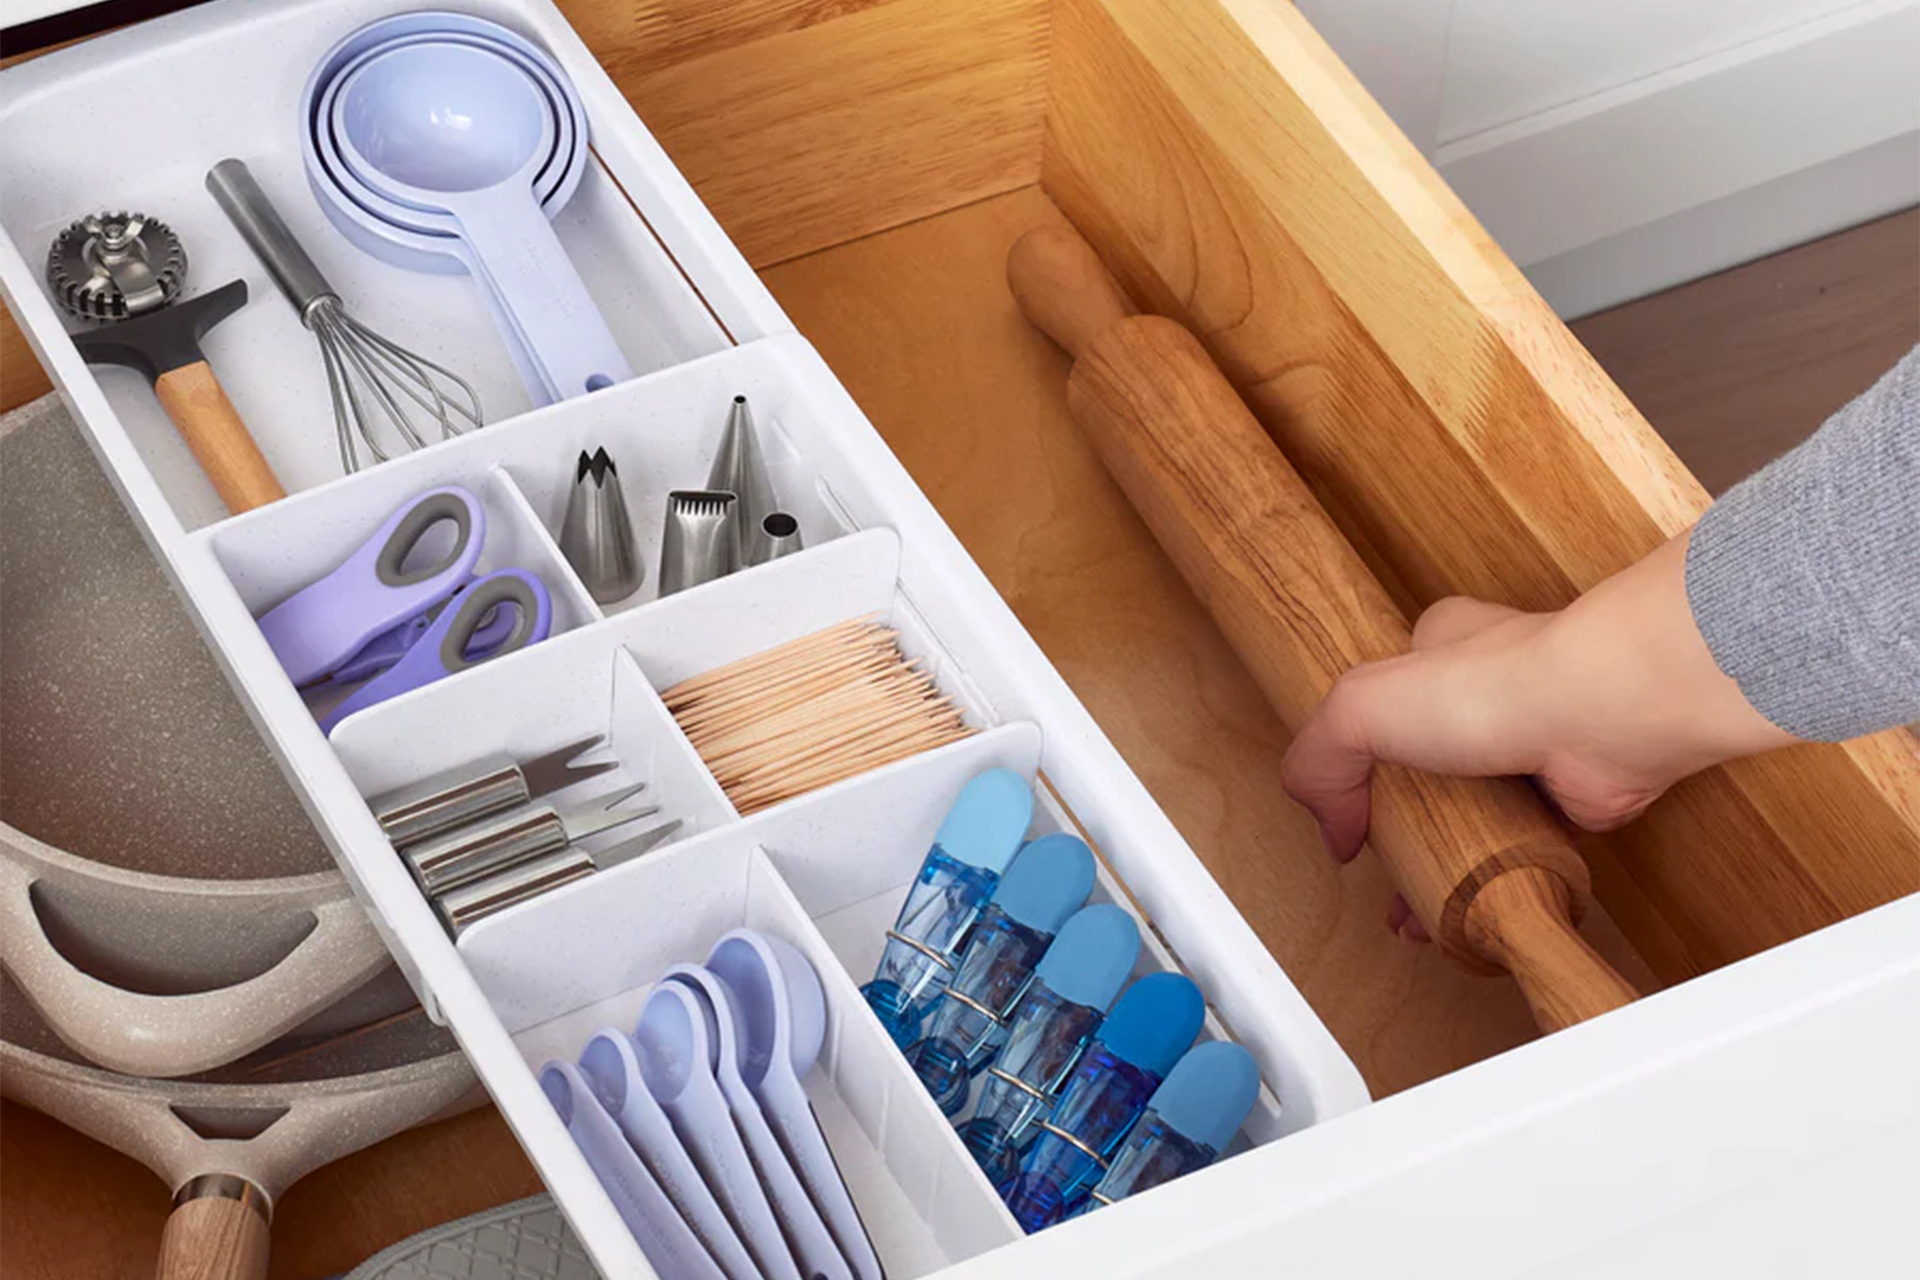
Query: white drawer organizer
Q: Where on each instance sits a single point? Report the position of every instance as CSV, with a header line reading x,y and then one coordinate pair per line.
x,y
825,871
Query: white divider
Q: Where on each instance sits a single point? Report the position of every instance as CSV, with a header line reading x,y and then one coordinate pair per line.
x,y
641,727
549,696
924,1203
745,613
535,549
274,551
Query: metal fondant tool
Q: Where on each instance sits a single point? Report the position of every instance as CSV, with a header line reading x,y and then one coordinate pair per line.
x,y
125,272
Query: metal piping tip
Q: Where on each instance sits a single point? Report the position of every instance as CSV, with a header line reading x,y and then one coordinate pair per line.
x,y
701,541
597,536
740,468
778,535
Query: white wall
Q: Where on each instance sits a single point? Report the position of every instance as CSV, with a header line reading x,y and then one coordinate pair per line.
x,y
1617,147
1510,59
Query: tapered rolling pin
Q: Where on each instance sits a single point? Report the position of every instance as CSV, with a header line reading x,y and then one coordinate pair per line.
x,y
1481,861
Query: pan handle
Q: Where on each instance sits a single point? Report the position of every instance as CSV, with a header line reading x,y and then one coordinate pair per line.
x,y
165,1036
217,1233
218,1227
318,1121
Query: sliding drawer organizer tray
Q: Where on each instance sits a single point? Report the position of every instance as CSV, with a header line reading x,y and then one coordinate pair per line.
x,y
1236,178
825,871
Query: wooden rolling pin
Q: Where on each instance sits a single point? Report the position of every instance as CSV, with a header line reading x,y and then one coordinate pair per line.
x,y
1482,863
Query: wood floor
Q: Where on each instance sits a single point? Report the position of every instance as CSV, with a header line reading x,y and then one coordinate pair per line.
x,y
1736,369
1731,369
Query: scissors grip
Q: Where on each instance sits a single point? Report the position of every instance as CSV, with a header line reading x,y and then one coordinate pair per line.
x,y
326,624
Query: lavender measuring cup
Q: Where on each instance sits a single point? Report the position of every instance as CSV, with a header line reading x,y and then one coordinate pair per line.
x,y
465,130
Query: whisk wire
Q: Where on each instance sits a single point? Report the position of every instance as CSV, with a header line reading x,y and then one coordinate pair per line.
x,y
349,414
368,374
361,359
338,391
416,369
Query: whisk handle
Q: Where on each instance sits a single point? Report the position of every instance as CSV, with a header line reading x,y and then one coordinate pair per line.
x,y
261,226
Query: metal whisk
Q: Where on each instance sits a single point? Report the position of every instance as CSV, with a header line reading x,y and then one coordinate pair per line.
x,y
375,382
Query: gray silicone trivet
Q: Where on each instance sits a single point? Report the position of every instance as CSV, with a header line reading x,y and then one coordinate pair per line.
x,y
525,1240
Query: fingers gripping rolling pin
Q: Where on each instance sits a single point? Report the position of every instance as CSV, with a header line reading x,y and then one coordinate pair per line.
x,y
1481,861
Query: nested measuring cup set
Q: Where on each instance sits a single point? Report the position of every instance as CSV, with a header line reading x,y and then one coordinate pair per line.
x,y
442,142
435,142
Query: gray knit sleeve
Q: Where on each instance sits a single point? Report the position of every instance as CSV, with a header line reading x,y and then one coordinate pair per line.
x,y
1805,577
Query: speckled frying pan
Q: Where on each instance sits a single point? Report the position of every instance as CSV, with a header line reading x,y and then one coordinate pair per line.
x,y
164,903
131,932
228,1142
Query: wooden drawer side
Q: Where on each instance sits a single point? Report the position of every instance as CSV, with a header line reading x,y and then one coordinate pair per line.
x,y
806,124
1241,180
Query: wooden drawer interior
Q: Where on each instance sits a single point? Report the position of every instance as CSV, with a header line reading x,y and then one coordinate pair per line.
x,y
876,159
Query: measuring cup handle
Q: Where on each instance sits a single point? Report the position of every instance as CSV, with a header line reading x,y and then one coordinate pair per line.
x,y
535,282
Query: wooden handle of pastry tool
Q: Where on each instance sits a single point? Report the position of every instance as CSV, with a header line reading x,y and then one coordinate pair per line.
x,y
220,441
217,1236
1482,863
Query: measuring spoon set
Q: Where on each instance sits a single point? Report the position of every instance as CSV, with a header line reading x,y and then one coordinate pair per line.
x,y
699,1127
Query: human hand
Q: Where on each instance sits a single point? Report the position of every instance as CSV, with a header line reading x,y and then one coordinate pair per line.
x,y
1605,704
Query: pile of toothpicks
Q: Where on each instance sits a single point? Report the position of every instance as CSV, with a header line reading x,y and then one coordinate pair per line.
x,y
812,712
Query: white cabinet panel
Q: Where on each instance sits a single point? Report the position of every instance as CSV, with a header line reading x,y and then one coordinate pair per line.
x,y
1578,174
1509,59
1398,49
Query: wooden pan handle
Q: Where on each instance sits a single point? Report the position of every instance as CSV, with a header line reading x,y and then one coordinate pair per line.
x,y
213,429
1300,607
217,1236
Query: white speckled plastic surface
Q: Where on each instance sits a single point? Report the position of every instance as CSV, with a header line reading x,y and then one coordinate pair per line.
x,y
687,309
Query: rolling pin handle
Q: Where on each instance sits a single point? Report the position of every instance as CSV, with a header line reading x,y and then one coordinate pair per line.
x,y
1064,288
1521,921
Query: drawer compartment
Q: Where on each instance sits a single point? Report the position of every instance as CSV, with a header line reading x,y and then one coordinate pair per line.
x,y
873,163
824,870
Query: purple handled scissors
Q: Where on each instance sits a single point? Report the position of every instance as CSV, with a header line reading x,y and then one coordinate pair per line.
x,y
372,614
447,645
389,647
